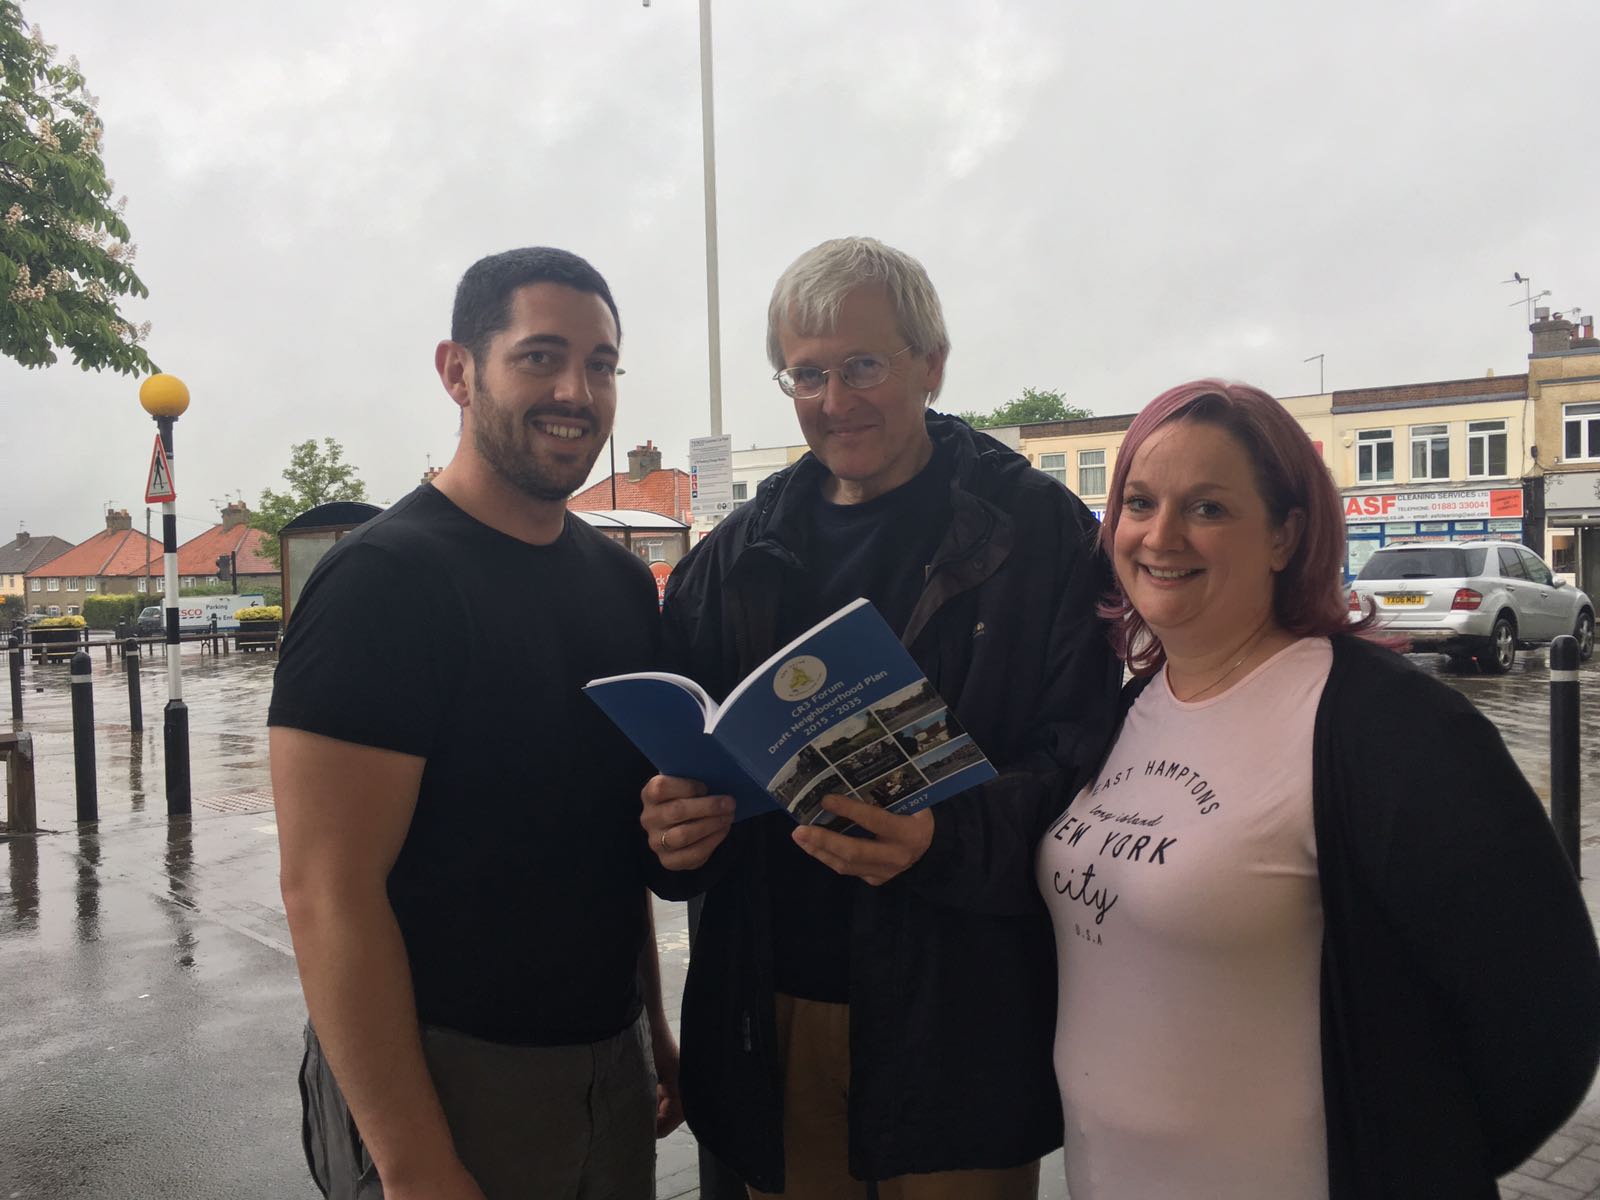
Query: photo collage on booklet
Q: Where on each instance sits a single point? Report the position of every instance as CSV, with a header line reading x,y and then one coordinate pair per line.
x,y
887,756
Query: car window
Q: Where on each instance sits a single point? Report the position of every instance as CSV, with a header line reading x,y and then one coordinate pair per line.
x,y
1421,562
1535,568
1510,565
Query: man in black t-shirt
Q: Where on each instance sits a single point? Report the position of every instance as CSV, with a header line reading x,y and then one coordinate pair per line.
x,y
462,864
882,1008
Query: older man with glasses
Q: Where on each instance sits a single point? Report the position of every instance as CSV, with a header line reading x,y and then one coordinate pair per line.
x,y
874,1015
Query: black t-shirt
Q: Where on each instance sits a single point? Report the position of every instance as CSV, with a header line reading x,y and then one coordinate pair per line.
x,y
878,549
520,887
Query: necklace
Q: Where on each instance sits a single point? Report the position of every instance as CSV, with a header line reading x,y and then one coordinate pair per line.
x,y
1250,644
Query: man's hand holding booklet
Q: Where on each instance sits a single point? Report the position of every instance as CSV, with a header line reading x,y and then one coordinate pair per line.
x,y
841,710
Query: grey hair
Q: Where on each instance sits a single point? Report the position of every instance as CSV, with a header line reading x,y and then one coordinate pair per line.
x,y
810,292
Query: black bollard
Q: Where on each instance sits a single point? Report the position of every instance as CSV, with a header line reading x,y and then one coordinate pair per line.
x,y
1564,787
83,735
130,657
175,736
15,655
213,634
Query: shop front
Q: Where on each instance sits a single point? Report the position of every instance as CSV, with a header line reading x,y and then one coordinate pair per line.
x,y
1572,526
1374,519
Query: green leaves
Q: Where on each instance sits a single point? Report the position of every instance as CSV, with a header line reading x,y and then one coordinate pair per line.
x,y
316,475
1030,407
64,253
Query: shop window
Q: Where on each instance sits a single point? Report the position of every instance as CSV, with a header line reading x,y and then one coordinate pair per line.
x,y
1562,557
1055,466
1486,448
1375,456
1581,431
1430,452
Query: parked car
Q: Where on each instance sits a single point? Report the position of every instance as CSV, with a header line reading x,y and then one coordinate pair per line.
x,y
150,621
1471,599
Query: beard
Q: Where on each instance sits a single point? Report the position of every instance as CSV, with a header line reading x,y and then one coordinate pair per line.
x,y
501,440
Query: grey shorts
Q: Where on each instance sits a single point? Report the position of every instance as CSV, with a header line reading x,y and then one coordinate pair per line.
x,y
564,1122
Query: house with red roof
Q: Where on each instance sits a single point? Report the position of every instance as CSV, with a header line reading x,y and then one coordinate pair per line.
x,y
113,561
231,539
645,486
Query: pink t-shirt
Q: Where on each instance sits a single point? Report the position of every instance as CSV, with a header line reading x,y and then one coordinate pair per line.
x,y
1183,887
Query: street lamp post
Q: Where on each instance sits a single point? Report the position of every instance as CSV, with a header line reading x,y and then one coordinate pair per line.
x,y
708,151
1322,386
166,398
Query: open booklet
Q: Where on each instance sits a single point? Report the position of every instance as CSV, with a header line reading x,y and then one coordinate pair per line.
x,y
841,710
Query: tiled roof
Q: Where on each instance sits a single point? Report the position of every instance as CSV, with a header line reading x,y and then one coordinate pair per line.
x,y
198,556
110,552
665,492
16,559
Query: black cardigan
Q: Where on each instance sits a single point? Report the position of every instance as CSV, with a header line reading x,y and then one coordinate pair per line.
x,y
1460,978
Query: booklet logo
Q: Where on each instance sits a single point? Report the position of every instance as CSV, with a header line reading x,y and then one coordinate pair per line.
x,y
799,678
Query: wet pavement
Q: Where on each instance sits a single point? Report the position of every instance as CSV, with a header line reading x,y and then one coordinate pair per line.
x,y
149,1004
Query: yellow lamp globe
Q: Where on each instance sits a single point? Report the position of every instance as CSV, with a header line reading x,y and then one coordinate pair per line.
x,y
164,396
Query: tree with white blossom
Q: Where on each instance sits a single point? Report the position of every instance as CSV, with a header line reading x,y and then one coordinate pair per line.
x,y
65,257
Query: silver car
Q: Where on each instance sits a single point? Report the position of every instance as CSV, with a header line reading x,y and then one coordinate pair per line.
x,y
1471,599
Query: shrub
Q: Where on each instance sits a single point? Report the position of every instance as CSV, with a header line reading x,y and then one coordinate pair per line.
x,y
61,623
260,612
107,612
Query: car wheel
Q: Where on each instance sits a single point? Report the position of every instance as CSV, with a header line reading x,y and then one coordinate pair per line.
x,y
1584,632
1501,650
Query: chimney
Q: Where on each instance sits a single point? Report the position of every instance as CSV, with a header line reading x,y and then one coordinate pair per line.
x,y
1583,338
431,474
642,460
118,520
23,537
1551,335
235,514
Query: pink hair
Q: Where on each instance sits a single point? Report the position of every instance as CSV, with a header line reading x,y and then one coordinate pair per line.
x,y
1308,596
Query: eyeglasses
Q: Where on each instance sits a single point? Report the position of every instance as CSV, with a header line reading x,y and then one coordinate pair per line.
x,y
857,371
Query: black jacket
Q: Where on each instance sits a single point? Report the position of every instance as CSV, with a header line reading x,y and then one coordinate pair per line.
x,y
1460,980
952,988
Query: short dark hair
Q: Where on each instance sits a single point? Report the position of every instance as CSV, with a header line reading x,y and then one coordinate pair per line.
x,y
1308,599
483,297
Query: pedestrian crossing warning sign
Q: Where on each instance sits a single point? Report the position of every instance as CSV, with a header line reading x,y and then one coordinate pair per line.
x,y
160,487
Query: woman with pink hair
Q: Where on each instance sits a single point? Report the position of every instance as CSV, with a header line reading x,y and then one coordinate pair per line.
x,y
1316,938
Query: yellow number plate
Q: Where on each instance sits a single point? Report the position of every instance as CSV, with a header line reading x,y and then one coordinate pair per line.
x,y
1403,599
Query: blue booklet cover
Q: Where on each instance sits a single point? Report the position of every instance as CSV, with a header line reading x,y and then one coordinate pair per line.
x,y
841,710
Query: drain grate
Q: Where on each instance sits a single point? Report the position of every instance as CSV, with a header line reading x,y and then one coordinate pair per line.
x,y
253,801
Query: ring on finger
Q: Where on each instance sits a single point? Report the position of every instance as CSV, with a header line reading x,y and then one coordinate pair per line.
x,y
664,845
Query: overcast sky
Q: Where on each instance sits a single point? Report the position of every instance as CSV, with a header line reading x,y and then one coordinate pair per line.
x,y
1110,199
